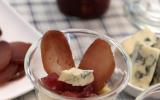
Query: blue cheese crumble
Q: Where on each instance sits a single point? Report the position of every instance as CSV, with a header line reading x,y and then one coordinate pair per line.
x,y
77,77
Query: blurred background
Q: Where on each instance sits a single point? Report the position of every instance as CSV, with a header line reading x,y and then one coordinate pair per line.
x,y
45,15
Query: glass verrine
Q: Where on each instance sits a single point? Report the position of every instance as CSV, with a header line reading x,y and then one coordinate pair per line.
x,y
79,40
144,13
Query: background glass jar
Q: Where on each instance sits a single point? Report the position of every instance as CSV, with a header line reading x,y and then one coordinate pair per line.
x,y
83,8
144,13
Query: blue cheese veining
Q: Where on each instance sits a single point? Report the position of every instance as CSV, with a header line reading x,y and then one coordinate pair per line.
x,y
156,76
145,37
144,50
144,59
77,77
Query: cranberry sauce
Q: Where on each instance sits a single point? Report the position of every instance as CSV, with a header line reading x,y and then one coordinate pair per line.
x,y
51,83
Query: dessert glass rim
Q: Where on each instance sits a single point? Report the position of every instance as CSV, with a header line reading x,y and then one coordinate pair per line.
x,y
151,89
123,82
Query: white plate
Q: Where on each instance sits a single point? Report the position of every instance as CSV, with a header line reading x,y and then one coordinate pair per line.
x,y
133,90
15,29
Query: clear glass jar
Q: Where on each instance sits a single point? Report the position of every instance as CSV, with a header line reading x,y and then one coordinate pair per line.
x,y
79,40
144,13
152,93
83,8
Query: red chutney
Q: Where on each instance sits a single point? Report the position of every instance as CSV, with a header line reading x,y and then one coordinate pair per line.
x,y
51,82
83,8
